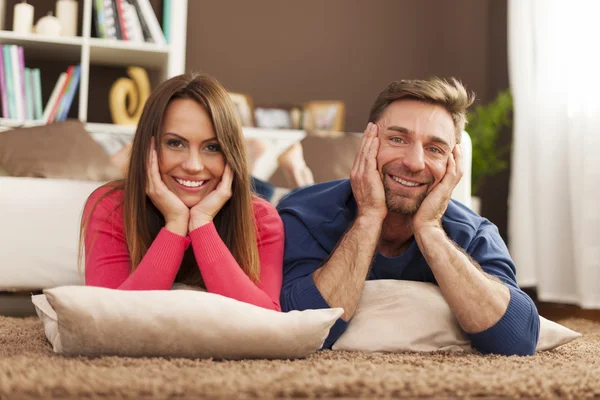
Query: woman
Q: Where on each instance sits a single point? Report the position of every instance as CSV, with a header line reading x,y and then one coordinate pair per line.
x,y
187,183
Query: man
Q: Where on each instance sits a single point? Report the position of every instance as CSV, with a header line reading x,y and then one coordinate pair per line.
x,y
394,219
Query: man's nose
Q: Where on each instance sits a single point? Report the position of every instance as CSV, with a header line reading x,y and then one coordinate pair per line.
x,y
414,158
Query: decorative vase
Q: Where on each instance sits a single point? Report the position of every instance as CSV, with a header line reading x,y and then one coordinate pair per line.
x,y
48,26
128,96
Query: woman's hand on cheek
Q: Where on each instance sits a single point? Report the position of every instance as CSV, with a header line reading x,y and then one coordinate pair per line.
x,y
206,210
174,211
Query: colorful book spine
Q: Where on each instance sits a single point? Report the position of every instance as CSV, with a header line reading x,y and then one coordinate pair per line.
x,y
54,97
37,92
29,94
110,24
17,82
132,23
3,88
99,10
10,91
21,53
143,24
70,94
167,20
121,18
148,15
55,109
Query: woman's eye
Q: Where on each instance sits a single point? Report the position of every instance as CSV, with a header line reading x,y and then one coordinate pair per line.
x,y
213,148
174,143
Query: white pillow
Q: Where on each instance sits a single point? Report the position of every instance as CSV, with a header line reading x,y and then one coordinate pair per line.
x,y
397,316
84,320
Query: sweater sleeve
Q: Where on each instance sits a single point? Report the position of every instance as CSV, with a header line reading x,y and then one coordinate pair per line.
x,y
223,275
107,261
517,332
303,256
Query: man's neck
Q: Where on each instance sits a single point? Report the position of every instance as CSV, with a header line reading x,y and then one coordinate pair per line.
x,y
396,235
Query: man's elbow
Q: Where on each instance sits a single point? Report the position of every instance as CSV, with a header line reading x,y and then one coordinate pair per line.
x,y
522,344
524,347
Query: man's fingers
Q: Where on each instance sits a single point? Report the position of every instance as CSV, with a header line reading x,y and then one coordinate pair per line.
x,y
371,161
360,152
458,159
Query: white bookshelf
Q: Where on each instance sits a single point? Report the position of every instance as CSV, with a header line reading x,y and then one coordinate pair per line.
x,y
89,51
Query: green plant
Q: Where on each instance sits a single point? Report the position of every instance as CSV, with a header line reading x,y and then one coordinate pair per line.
x,y
484,125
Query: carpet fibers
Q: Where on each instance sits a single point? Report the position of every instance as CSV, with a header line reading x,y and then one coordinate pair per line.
x,y
30,370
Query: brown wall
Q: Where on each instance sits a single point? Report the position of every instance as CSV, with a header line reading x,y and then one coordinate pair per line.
x,y
287,52
291,52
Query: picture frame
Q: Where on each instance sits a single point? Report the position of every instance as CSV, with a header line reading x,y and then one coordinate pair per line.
x,y
324,116
245,108
278,117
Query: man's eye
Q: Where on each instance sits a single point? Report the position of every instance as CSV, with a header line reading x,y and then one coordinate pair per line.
x,y
435,150
397,140
174,143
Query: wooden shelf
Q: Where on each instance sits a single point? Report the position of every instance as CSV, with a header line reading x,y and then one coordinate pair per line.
x,y
123,53
40,46
287,135
128,130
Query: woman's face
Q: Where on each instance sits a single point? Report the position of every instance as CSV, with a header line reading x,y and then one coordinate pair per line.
x,y
190,162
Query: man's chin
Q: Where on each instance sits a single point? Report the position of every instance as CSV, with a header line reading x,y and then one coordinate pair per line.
x,y
403,205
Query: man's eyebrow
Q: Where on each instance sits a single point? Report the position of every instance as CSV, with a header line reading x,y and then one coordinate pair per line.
x,y
431,138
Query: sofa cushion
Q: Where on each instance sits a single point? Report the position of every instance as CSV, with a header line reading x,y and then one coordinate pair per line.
x,y
63,150
329,155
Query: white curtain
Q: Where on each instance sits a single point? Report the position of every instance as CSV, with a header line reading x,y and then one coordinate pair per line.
x,y
554,203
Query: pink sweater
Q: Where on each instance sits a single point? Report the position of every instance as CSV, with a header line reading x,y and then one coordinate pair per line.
x,y
108,263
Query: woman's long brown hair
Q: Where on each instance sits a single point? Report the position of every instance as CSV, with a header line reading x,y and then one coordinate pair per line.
x,y
235,221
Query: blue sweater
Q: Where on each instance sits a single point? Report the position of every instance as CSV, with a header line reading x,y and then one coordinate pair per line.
x,y
316,217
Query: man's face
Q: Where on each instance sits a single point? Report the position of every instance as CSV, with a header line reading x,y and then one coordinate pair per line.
x,y
416,140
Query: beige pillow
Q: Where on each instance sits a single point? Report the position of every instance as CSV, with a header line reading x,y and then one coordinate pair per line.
x,y
63,150
329,156
413,316
85,320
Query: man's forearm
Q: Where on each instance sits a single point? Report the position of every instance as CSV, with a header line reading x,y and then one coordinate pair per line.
x,y
341,279
477,300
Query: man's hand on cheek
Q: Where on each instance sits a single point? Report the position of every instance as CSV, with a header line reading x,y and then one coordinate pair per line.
x,y
435,203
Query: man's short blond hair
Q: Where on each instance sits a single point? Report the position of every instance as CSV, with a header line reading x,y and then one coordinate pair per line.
x,y
448,93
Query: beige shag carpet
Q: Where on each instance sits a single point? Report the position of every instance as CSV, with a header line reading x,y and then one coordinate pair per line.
x,y
30,370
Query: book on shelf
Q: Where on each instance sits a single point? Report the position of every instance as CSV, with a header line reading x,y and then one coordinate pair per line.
x,y
64,99
20,87
17,82
54,97
37,90
59,104
3,91
167,20
130,20
29,94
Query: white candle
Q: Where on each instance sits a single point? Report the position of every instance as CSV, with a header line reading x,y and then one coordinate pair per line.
x,y
23,17
2,13
66,12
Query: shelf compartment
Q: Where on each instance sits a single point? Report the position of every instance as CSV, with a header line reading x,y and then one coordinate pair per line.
x,y
124,53
38,46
